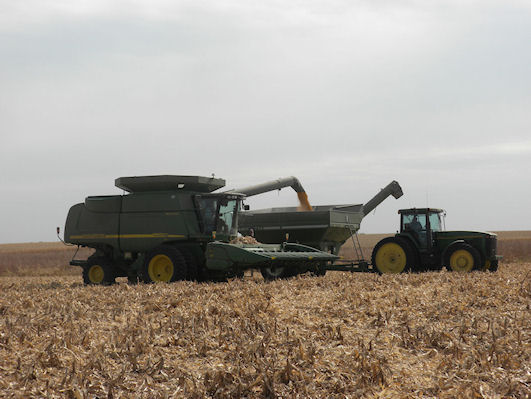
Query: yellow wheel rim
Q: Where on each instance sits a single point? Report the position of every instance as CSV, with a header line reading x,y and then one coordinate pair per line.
x,y
96,274
461,261
391,258
160,268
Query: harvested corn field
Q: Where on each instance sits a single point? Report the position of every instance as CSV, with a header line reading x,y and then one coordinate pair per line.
x,y
426,335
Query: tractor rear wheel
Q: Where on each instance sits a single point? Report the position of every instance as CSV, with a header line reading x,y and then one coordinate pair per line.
x,y
164,264
99,271
393,255
462,258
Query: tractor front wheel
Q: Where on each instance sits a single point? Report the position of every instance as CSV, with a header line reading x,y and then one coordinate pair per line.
x,y
462,258
393,255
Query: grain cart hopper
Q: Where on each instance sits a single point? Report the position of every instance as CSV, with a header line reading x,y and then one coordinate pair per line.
x,y
168,228
422,244
327,227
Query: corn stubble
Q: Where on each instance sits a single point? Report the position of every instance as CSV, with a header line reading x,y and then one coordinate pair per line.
x,y
343,335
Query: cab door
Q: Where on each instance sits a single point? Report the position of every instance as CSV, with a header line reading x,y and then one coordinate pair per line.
x,y
416,225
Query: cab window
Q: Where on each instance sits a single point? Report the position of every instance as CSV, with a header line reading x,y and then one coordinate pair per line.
x,y
414,222
435,222
208,210
227,212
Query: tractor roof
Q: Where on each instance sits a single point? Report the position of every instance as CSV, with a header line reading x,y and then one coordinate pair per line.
x,y
420,210
200,184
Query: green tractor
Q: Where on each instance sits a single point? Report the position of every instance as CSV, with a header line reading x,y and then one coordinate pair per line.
x,y
422,244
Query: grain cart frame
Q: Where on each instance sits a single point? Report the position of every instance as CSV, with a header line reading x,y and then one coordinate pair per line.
x,y
168,228
422,244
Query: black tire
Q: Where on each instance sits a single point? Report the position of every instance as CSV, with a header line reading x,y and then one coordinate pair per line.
x,y
164,264
99,271
275,273
394,255
132,277
462,257
317,270
493,267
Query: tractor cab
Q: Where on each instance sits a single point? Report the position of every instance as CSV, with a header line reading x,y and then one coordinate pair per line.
x,y
420,224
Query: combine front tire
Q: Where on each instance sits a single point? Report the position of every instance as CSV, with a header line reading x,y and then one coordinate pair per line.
x,y
164,264
99,271
462,258
393,255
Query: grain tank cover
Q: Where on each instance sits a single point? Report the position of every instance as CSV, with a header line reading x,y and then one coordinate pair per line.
x,y
138,184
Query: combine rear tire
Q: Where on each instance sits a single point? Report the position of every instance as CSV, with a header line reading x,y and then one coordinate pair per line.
x,y
164,264
393,255
462,258
99,271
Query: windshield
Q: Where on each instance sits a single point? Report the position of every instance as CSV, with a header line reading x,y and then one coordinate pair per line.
x,y
226,220
415,222
208,208
435,222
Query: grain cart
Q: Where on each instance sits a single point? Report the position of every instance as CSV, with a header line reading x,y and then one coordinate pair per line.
x,y
168,228
326,227
422,244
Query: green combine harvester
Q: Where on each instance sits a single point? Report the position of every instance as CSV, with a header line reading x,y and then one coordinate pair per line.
x,y
169,228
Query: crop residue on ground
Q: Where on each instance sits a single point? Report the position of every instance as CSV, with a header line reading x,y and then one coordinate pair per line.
x,y
343,335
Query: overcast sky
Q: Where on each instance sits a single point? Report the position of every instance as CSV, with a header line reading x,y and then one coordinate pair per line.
x,y
345,95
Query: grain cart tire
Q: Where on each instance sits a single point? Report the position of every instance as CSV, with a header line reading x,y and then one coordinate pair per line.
x,y
393,255
99,271
462,258
164,264
275,272
317,270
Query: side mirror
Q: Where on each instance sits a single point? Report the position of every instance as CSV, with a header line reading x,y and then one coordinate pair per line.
x,y
246,207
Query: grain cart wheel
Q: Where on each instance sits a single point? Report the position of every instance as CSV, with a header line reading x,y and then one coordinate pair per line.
x,y
164,264
274,272
99,271
462,258
393,255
